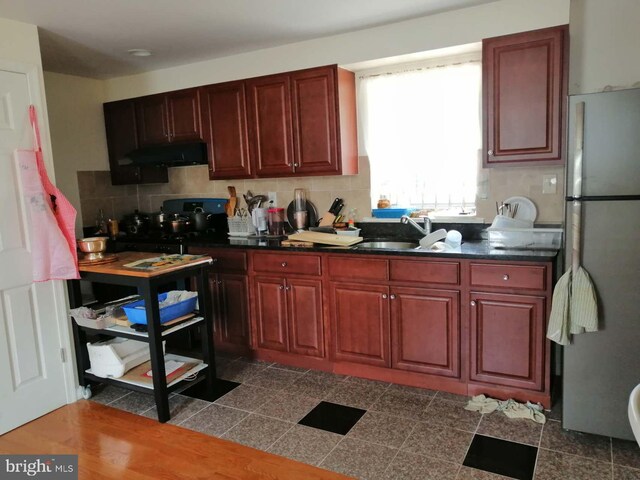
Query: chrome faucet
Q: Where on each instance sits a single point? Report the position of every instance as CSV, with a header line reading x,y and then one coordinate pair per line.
x,y
409,221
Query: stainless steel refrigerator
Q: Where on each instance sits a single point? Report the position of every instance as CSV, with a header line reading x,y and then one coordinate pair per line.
x,y
600,369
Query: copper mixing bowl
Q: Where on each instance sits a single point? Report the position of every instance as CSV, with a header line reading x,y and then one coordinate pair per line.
x,y
93,247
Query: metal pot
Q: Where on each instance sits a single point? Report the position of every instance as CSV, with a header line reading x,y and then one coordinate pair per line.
x,y
136,223
201,220
157,219
177,225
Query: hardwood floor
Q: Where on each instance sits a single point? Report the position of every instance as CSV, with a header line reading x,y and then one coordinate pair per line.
x,y
113,444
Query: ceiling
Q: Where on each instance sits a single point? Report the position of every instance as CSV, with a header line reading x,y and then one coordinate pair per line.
x,y
91,37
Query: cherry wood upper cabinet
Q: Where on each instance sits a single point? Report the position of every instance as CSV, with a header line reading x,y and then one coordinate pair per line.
x,y
224,118
122,139
183,115
313,94
524,97
303,123
168,118
270,119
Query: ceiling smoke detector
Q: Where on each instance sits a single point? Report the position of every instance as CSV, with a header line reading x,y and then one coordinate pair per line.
x,y
139,52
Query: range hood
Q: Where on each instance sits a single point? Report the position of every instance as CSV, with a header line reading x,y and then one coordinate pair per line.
x,y
174,155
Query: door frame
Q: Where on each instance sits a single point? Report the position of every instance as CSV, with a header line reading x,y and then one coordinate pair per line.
x,y
36,88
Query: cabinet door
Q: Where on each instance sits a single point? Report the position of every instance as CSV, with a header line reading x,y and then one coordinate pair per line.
x,y
304,299
360,323
315,128
233,298
524,89
270,313
508,340
183,115
425,326
224,113
151,115
122,139
270,124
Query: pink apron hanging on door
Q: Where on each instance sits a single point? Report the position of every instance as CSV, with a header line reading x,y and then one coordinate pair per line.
x,y
51,217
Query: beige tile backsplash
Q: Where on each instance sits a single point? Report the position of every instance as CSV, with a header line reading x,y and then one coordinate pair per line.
x,y
97,192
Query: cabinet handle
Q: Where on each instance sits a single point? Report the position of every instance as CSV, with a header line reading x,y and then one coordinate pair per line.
x,y
295,164
384,295
392,297
219,282
490,153
214,260
284,264
281,287
505,277
473,303
287,288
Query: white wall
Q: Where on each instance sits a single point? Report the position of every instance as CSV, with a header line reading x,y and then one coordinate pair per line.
x,y
605,37
77,130
420,34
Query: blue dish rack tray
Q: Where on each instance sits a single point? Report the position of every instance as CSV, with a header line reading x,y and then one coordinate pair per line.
x,y
135,314
391,212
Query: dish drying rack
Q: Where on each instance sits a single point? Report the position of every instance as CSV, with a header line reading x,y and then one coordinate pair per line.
x,y
241,225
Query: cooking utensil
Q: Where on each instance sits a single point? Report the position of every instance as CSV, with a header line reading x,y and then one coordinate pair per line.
x,y
136,223
200,219
156,219
522,208
177,225
230,207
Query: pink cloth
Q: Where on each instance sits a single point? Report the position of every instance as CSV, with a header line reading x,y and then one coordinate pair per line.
x,y
51,217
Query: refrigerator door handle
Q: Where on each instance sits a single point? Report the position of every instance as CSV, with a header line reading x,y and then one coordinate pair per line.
x,y
577,188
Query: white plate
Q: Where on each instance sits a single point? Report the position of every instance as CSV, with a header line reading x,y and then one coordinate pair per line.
x,y
526,208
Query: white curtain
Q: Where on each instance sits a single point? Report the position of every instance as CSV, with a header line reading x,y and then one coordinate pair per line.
x,y
422,133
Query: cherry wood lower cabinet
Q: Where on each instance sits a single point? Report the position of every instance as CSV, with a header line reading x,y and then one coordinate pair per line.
x,y
508,340
231,310
425,330
288,315
360,323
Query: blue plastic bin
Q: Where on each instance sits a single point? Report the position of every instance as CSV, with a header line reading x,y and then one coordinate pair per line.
x,y
139,315
391,212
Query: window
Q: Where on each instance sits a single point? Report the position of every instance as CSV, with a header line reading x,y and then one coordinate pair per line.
x,y
422,133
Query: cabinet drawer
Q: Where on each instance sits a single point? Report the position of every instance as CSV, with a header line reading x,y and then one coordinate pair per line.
x,y
447,273
358,268
224,260
287,263
530,277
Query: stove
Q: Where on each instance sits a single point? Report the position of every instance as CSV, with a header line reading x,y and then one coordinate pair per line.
x,y
163,242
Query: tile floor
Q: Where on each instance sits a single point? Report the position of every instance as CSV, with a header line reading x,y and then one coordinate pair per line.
x,y
376,430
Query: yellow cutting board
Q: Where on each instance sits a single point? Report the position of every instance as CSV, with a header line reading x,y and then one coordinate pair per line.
x,y
326,238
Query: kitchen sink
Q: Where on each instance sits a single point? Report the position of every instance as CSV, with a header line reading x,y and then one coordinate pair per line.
x,y
387,245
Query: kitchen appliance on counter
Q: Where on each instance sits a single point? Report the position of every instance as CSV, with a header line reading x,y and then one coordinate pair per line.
x,y
602,368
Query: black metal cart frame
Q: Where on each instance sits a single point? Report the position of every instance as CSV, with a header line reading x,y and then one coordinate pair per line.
x,y
148,289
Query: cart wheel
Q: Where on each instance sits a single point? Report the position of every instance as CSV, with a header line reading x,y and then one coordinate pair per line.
x,y
86,392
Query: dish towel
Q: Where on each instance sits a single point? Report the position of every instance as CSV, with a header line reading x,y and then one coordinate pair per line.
x,y
510,408
574,308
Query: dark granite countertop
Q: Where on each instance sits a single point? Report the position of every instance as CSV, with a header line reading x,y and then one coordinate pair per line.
x,y
478,249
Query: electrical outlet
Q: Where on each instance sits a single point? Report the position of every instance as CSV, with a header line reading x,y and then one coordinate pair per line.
x,y
272,197
549,184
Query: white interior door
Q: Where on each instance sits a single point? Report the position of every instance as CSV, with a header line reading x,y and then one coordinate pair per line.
x,y
32,373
